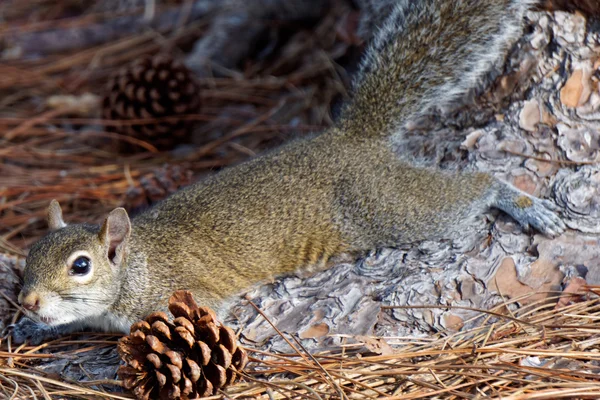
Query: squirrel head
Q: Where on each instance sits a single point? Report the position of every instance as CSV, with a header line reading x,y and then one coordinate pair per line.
x,y
73,272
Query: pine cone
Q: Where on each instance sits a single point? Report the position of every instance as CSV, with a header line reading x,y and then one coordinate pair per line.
x,y
192,356
156,185
153,87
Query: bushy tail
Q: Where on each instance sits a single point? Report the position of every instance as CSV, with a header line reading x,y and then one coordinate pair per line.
x,y
427,54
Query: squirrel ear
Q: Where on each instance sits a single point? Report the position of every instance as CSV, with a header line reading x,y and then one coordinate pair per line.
x,y
54,216
114,233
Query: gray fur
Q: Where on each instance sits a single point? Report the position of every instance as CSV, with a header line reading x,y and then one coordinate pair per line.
x,y
344,191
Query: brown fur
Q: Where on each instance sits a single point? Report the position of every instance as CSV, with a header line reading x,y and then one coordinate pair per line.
x,y
344,191
296,207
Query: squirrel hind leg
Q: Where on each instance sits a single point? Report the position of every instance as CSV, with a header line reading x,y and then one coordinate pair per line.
x,y
529,211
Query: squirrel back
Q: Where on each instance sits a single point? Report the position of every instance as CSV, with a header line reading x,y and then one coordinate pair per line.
x,y
343,191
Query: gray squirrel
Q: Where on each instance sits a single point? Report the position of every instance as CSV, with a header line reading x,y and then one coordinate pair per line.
x,y
344,191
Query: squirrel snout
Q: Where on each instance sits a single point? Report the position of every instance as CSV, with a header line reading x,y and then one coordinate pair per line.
x,y
30,301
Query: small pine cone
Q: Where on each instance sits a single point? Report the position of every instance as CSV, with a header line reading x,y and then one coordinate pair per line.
x,y
192,356
153,87
157,185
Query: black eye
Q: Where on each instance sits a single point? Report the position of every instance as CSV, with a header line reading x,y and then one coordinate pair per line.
x,y
80,266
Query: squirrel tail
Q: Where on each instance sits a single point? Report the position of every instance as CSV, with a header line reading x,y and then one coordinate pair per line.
x,y
426,55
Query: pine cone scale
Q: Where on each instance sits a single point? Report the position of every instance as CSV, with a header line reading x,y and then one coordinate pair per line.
x,y
186,336
175,373
205,352
216,375
160,329
154,360
221,356
160,378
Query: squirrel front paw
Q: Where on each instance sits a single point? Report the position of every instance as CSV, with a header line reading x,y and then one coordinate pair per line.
x,y
531,212
28,330
541,215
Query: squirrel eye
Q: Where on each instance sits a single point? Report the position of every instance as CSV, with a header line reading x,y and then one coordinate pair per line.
x,y
80,266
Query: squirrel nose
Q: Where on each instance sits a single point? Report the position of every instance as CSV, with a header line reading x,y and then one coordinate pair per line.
x,y
31,301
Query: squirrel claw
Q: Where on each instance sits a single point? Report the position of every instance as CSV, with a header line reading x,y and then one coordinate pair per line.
x,y
550,205
28,330
541,216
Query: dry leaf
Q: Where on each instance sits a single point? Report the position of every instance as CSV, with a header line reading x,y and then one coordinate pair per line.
x,y
376,345
315,331
571,92
575,285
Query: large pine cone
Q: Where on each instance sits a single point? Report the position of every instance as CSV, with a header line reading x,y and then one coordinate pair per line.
x,y
153,87
192,356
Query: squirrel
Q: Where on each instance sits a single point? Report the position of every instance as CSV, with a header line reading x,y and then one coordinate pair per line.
x,y
343,191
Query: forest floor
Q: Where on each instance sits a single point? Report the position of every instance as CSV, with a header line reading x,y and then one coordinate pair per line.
x,y
404,322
